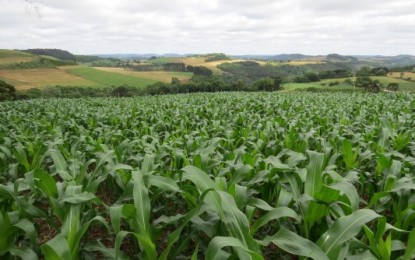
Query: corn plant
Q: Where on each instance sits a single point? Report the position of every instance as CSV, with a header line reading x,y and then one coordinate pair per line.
x,y
218,176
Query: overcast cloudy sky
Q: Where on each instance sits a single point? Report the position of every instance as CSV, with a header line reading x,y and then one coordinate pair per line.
x,y
201,26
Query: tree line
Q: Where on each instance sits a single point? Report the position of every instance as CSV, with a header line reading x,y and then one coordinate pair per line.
x,y
197,84
172,67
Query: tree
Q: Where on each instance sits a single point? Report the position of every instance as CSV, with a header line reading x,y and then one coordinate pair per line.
x,y
7,91
364,72
361,82
348,82
374,86
175,81
311,77
268,84
202,71
368,84
121,91
379,71
393,86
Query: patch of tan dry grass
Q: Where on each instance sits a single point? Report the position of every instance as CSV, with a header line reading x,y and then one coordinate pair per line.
x,y
30,78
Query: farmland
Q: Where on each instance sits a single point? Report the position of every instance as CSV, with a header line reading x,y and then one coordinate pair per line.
x,y
9,56
39,78
194,61
75,76
403,75
213,176
49,74
12,53
163,76
26,71
404,85
105,78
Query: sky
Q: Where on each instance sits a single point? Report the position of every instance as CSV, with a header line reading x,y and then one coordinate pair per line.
x,y
348,27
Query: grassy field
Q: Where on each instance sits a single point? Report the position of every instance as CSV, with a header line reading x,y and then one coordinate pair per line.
x,y
324,84
39,78
105,78
403,85
12,53
9,56
10,60
252,176
163,76
162,60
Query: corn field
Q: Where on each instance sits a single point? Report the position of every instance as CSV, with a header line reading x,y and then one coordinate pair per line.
x,y
209,176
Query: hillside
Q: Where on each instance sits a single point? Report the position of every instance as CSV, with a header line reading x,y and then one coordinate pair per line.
x,y
40,68
57,53
11,56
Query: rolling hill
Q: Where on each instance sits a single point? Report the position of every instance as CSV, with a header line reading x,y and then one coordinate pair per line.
x,y
39,68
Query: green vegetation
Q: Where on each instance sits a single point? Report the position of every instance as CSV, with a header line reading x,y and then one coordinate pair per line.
x,y
95,61
25,60
10,57
213,176
105,78
217,57
212,84
250,71
403,84
56,53
161,60
7,91
348,84
39,62
13,53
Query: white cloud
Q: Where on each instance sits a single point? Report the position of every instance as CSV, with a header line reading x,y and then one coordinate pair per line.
x,y
192,26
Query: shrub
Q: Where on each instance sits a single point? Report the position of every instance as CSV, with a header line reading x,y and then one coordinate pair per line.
x,y
393,86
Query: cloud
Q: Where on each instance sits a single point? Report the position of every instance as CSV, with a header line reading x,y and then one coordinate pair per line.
x,y
191,26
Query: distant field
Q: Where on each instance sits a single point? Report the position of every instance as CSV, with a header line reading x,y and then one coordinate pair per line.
x,y
12,82
163,60
318,85
11,53
212,65
9,56
105,78
403,85
29,78
80,76
194,61
292,63
9,60
163,76
48,57
200,61
405,75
